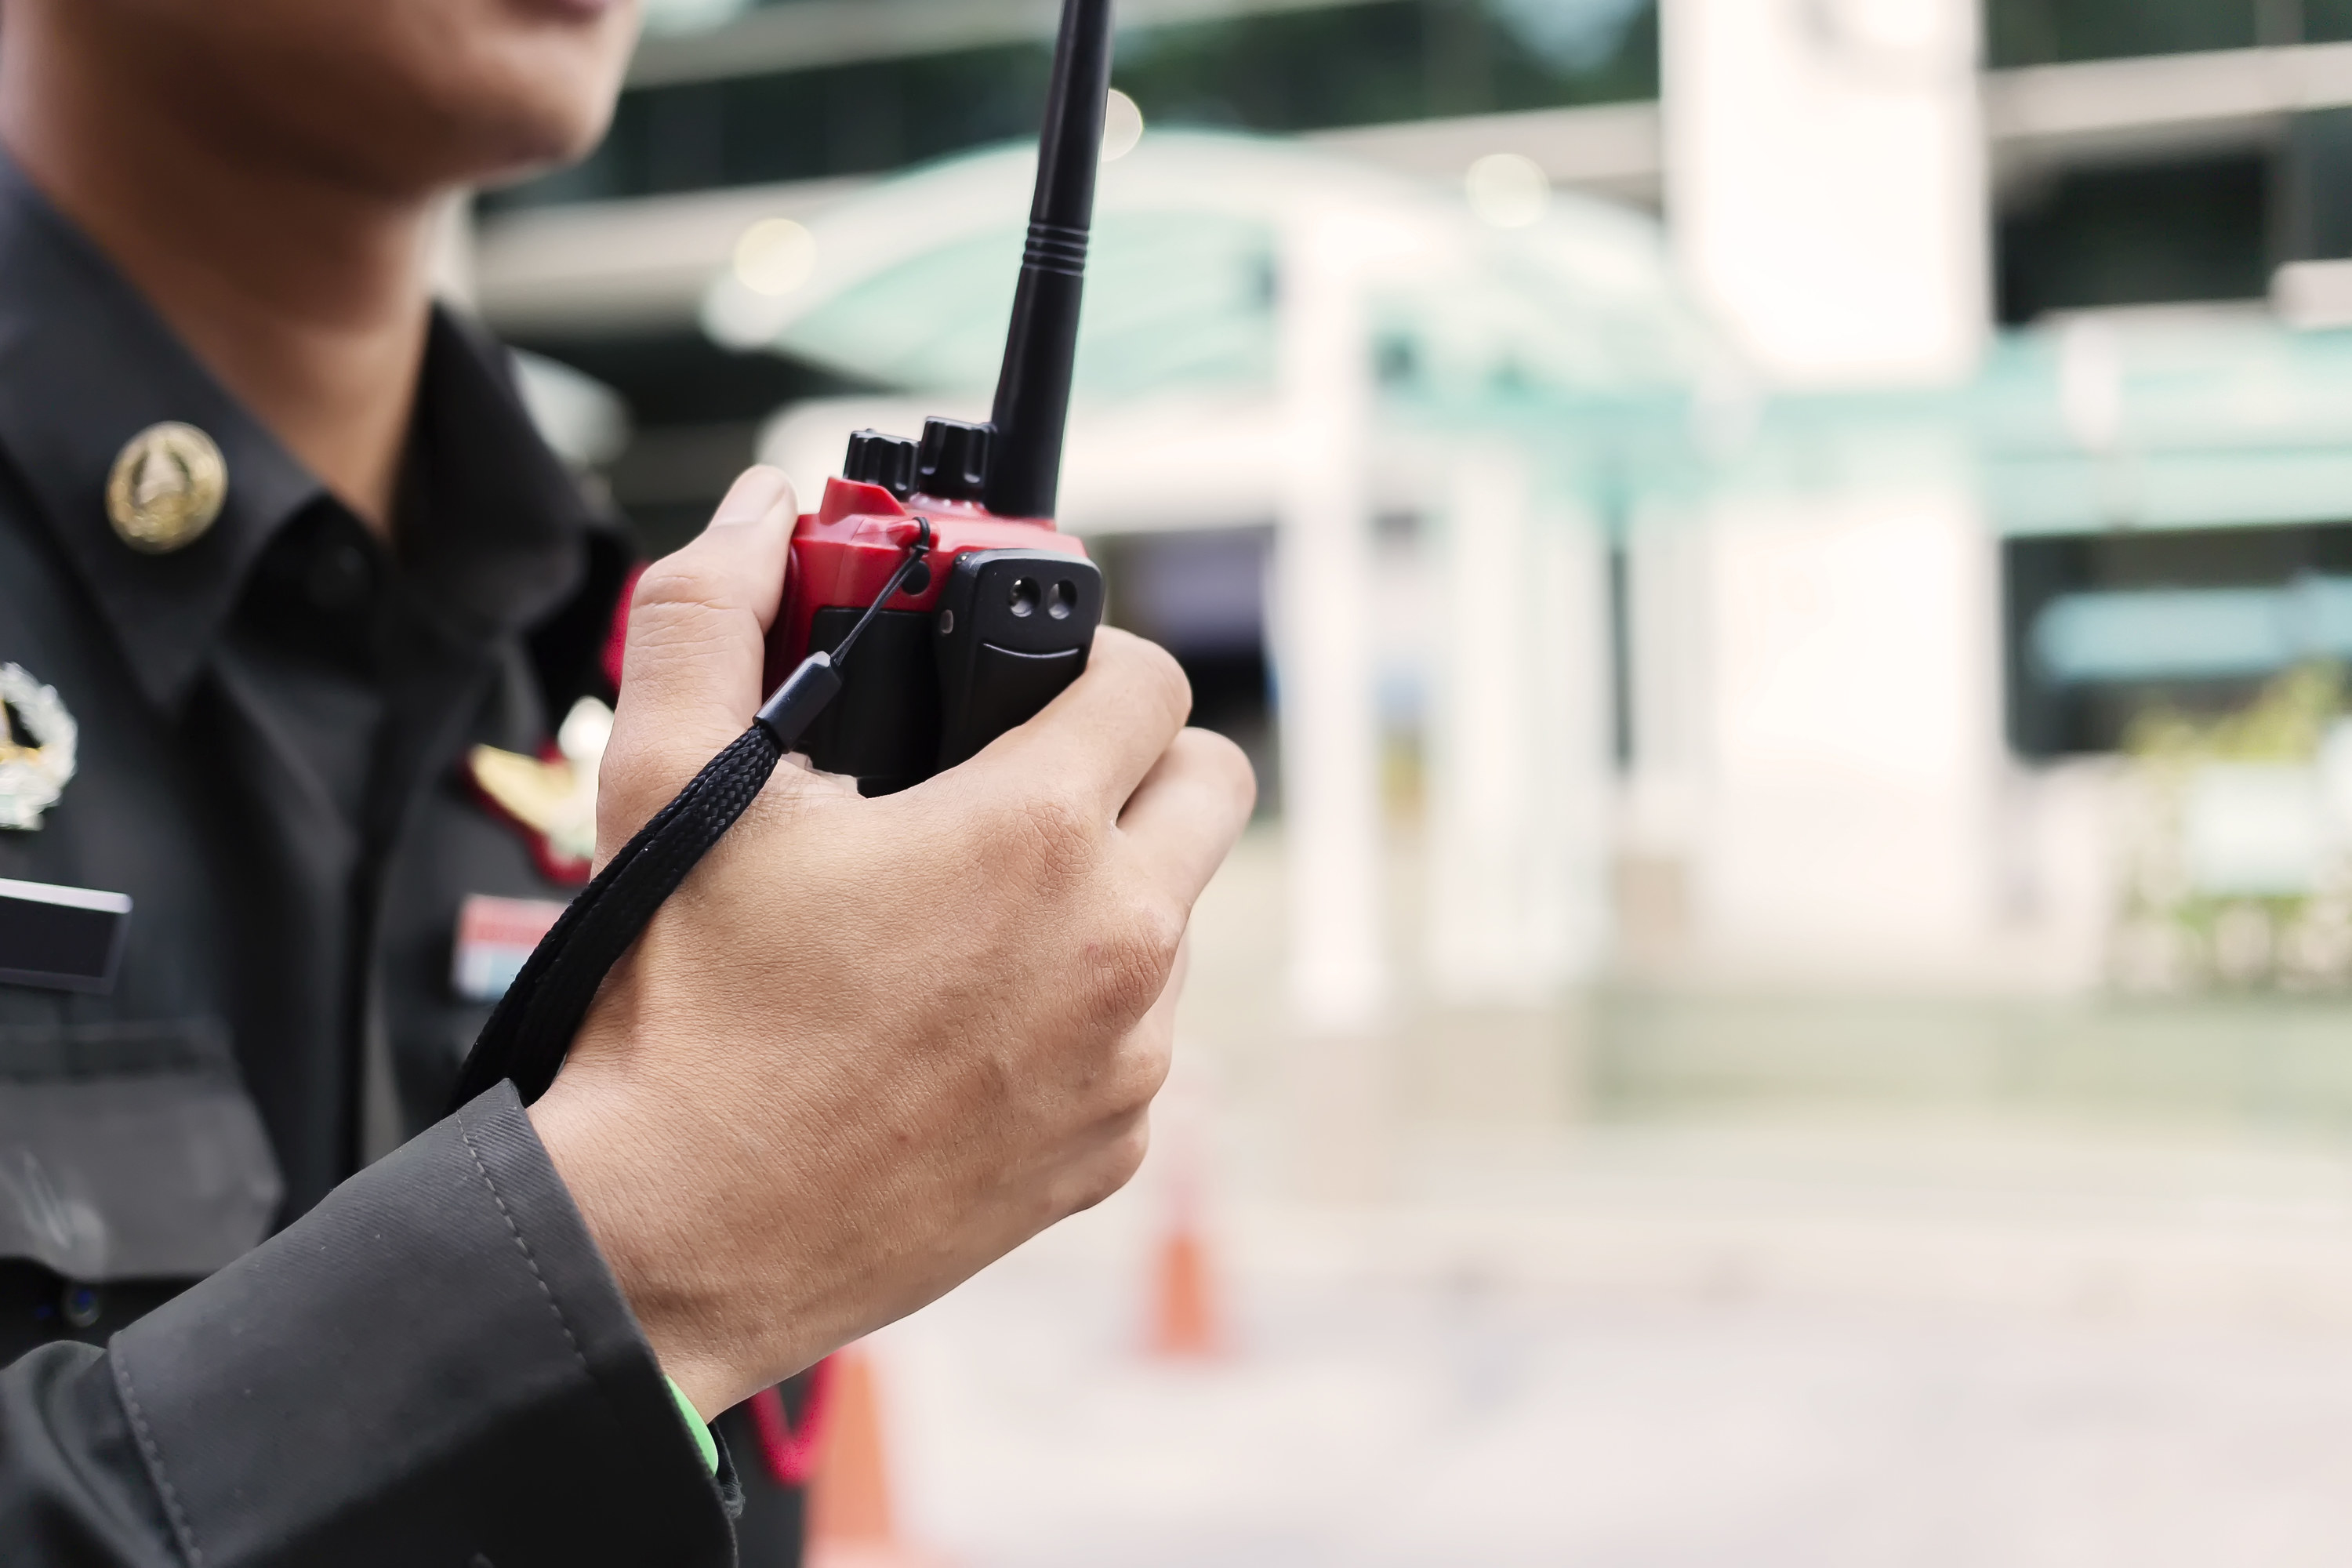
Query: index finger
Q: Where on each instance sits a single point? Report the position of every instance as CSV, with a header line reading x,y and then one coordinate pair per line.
x,y
1108,729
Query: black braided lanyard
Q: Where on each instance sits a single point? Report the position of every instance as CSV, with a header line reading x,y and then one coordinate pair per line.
x,y
528,1035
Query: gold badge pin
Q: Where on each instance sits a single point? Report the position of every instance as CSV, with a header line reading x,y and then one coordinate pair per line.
x,y
167,487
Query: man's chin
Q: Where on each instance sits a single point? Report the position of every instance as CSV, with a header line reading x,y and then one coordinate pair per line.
x,y
537,108
515,153
573,10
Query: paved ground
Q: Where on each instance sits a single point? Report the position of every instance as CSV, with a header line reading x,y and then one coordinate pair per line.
x,y
2061,1286
1810,1346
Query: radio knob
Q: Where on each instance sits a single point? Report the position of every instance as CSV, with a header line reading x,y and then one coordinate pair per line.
x,y
879,460
954,462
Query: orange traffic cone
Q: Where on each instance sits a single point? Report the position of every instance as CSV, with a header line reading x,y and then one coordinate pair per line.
x,y
1185,1325
1183,1318
851,1522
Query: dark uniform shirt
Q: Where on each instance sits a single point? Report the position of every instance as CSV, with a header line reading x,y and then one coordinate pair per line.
x,y
432,1365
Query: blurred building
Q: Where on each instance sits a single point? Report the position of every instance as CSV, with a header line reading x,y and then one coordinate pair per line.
x,y
2031,311
2036,387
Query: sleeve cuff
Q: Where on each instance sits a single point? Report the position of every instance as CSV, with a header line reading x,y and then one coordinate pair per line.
x,y
697,1428
434,1363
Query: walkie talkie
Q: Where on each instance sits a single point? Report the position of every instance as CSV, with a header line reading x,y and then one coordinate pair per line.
x,y
931,605
1001,617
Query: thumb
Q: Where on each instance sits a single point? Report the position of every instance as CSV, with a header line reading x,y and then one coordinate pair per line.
x,y
691,679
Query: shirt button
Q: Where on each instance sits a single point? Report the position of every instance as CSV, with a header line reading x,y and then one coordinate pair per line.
x,y
83,1305
340,578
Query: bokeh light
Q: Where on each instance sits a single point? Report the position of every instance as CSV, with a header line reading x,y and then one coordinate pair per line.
x,y
774,256
1508,190
1122,126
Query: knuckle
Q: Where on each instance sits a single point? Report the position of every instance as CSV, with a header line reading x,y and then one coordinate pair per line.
x,y
1137,956
1160,922
1166,681
1151,670
677,598
677,579
1108,1168
1141,1071
1126,1154
1220,756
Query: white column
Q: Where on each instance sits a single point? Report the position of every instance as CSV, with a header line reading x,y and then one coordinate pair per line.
x,y
1571,669
1826,183
1827,198
1324,656
1517,741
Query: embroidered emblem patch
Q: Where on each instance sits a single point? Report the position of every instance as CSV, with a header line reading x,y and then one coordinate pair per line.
x,y
552,798
37,745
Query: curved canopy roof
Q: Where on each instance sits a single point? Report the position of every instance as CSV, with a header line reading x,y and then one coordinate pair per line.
x,y
910,281
2179,420
1568,331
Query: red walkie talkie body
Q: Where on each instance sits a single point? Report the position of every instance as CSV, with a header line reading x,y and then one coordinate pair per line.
x,y
1000,618
999,624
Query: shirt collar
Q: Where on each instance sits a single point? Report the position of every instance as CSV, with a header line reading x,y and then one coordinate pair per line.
x,y
497,535
495,541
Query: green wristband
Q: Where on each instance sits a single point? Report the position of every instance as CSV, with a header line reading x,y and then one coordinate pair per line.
x,y
695,1424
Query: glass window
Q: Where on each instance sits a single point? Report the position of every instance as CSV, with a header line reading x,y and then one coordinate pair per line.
x,y
2326,21
2044,32
2197,584
1273,71
2193,230
1404,59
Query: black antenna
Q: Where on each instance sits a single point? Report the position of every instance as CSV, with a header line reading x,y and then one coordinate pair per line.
x,y
1032,395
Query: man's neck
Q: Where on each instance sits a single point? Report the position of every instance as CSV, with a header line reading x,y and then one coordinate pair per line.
x,y
305,295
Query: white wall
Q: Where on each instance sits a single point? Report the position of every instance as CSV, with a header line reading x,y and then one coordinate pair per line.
x,y
1853,737
1826,183
1818,737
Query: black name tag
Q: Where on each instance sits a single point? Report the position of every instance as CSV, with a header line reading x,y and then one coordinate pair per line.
x,y
61,939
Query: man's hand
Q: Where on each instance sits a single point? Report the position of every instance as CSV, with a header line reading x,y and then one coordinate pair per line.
x,y
872,1045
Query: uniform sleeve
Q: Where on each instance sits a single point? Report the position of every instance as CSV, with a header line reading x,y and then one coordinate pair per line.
x,y
434,1366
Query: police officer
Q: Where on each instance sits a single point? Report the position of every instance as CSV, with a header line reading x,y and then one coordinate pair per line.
x,y
298,619
332,511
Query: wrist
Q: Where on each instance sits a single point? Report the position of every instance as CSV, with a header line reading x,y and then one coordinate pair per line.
x,y
648,1244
